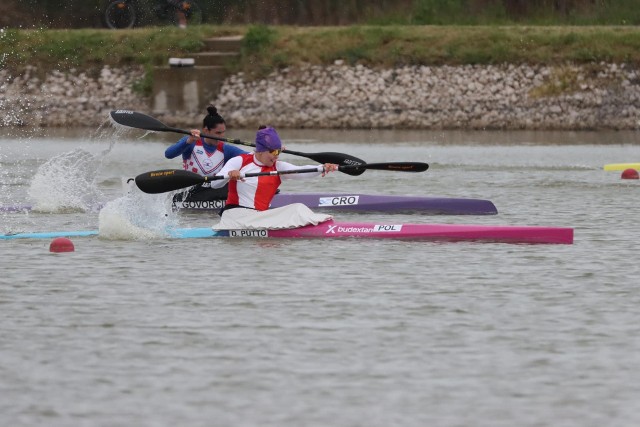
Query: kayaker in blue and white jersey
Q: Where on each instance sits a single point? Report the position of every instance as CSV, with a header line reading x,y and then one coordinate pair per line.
x,y
204,156
256,193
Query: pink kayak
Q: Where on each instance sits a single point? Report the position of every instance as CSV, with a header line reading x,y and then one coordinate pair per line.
x,y
433,232
332,229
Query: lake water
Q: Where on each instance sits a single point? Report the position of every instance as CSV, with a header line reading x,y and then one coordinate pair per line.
x,y
216,332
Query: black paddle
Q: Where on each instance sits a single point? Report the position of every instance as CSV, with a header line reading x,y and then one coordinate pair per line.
x,y
142,121
161,181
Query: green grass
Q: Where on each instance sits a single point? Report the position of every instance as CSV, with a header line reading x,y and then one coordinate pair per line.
x,y
389,46
87,48
270,48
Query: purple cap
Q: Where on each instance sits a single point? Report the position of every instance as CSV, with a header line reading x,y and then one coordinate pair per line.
x,y
267,139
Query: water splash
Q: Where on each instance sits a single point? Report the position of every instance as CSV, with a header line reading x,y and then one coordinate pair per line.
x,y
66,183
137,216
106,131
122,129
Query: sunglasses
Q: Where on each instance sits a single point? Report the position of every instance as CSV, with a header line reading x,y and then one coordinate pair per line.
x,y
275,152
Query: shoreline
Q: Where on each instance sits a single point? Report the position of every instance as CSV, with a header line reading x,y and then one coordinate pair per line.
x,y
505,97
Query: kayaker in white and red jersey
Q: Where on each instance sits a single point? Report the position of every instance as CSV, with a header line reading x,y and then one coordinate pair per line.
x,y
204,156
256,193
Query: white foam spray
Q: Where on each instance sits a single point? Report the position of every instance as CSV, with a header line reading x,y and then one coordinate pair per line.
x,y
65,183
137,216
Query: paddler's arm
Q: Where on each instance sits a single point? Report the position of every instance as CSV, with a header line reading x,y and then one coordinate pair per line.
x,y
231,169
286,166
184,146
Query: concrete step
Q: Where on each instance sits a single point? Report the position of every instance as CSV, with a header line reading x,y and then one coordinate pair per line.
x,y
224,44
195,81
186,88
213,58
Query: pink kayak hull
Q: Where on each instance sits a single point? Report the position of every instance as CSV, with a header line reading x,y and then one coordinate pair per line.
x,y
436,232
331,229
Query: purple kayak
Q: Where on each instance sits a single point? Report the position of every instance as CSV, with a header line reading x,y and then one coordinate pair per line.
x,y
354,202
349,202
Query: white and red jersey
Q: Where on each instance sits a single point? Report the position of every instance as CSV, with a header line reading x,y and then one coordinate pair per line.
x,y
202,162
258,191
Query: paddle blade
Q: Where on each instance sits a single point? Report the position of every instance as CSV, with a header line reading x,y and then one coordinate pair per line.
x,y
137,120
390,166
161,181
399,166
340,159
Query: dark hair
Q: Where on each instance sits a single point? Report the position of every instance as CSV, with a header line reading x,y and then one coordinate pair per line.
x,y
212,119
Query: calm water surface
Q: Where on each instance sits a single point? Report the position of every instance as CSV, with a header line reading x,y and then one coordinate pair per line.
x,y
154,332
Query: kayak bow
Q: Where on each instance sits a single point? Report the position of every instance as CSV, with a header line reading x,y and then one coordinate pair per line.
x,y
621,166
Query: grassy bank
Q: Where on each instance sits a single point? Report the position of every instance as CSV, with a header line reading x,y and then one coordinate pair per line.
x,y
267,48
388,46
86,48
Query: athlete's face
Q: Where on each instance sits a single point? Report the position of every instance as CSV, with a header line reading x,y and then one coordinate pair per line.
x,y
218,131
268,158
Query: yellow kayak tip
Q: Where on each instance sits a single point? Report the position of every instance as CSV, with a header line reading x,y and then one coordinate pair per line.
x,y
621,166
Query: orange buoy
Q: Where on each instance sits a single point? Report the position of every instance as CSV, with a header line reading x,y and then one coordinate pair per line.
x,y
630,174
61,244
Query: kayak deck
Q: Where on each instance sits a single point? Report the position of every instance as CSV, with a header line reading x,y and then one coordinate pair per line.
x,y
347,202
355,202
332,229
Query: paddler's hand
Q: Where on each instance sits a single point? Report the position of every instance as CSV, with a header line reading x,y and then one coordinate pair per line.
x,y
329,167
195,135
235,175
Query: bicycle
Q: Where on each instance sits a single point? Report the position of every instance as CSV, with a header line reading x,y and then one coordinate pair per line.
x,y
120,14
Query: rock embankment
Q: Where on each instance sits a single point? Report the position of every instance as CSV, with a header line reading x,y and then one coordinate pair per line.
x,y
447,97
595,96
67,99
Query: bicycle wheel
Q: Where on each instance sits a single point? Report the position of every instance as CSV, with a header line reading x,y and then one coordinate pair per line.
x,y
192,11
120,14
